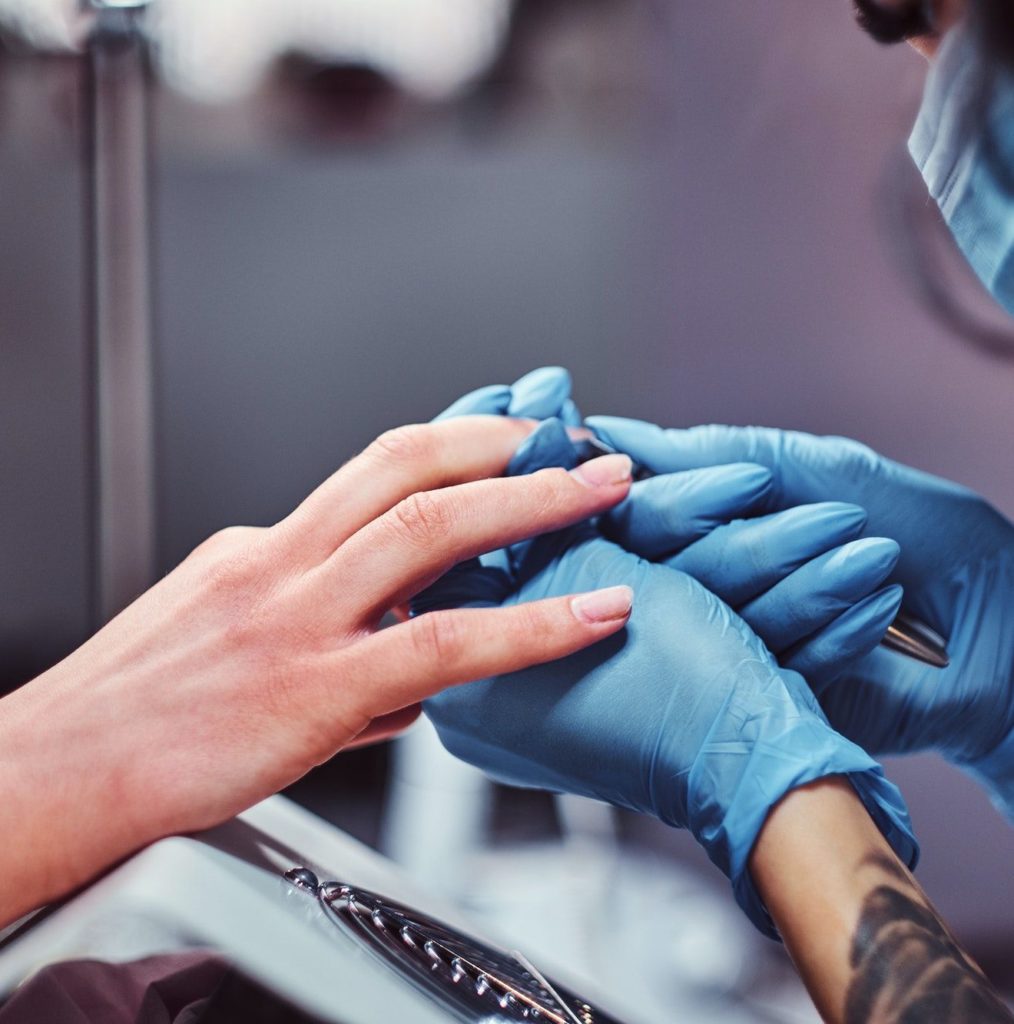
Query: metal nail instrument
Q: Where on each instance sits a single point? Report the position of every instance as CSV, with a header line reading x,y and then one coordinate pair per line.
x,y
906,635
475,982
121,338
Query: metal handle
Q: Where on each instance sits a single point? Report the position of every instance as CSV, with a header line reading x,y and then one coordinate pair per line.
x,y
121,328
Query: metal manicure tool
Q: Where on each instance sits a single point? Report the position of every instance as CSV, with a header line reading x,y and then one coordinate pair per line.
x,y
906,635
475,982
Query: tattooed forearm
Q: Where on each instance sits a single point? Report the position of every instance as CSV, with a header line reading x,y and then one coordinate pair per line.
x,y
906,966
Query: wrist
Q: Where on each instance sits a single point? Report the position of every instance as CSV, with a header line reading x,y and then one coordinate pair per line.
x,y
785,744
60,798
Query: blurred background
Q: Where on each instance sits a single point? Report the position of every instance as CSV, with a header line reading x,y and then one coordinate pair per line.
x,y
361,211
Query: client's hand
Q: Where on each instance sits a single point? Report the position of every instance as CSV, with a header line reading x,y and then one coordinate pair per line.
x,y
685,715
260,656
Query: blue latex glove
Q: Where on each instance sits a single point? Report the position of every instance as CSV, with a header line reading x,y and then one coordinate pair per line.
x,y
685,715
800,578
957,568
539,395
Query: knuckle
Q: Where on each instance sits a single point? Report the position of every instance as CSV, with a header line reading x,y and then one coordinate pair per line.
x,y
424,518
230,538
405,446
245,632
231,572
239,584
439,638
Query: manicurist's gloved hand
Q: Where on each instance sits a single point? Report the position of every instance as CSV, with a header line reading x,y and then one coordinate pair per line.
x,y
685,715
801,578
956,565
540,395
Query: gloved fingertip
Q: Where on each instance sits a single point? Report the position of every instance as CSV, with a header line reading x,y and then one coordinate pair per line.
x,y
541,393
814,529
570,414
868,562
884,605
842,514
665,513
491,400
847,574
740,483
621,431
855,633
890,602
548,445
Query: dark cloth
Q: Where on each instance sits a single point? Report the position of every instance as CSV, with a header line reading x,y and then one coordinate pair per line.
x,y
183,988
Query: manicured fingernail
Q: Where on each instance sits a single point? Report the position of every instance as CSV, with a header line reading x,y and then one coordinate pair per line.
x,y
603,605
605,471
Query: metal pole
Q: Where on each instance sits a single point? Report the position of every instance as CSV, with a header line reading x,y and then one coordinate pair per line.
x,y
121,333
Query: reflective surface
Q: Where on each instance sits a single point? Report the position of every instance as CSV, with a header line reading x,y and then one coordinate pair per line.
x,y
475,981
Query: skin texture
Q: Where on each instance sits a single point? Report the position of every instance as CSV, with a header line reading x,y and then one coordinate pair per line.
x,y
260,656
867,942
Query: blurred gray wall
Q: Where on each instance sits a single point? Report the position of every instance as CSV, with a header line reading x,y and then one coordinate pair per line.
x,y
718,257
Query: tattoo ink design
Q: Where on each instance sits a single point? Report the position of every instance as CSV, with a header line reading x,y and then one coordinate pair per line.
x,y
907,967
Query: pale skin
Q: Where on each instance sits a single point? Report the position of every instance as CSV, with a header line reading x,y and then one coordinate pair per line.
x,y
260,656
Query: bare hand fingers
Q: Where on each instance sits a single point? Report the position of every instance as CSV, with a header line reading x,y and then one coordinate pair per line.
x,y
407,663
405,550
401,462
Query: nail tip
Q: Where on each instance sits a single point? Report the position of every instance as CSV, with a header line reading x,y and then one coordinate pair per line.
x,y
610,604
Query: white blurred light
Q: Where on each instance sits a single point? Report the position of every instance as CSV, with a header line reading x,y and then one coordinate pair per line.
x,y
45,24
219,50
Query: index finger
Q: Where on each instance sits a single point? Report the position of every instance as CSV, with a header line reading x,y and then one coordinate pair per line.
x,y
403,461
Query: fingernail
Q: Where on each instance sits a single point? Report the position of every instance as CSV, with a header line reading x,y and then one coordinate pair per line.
x,y
603,605
605,471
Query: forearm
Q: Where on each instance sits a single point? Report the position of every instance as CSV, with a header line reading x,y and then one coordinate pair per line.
x,y
865,939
